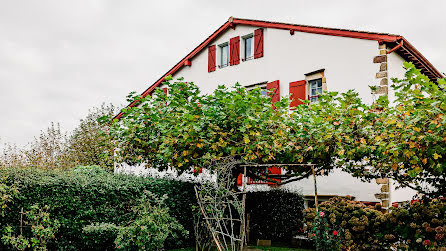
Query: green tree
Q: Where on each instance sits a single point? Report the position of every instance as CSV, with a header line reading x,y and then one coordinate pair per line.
x,y
403,140
187,130
87,144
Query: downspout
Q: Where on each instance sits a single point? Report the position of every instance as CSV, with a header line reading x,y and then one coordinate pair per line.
x,y
396,47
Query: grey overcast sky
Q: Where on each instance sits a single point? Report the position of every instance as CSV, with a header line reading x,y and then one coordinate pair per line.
x,y
60,58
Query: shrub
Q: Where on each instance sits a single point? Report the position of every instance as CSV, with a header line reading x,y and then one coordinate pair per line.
x,y
274,215
357,222
151,227
325,235
42,229
7,193
420,226
84,196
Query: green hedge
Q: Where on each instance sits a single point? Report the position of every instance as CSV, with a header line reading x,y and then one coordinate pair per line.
x,y
85,196
274,215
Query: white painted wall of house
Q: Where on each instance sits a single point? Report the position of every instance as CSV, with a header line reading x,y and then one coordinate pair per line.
x,y
348,64
396,70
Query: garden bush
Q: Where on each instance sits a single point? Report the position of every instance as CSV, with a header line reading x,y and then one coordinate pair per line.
x,y
420,226
274,215
88,195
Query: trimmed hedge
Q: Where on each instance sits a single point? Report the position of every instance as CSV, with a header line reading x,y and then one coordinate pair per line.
x,y
90,195
274,215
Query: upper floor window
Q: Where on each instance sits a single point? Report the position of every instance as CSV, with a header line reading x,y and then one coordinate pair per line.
x,y
230,52
315,89
248,42
224,55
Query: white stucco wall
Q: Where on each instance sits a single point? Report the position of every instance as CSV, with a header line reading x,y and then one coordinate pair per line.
x,y
396,70
347,62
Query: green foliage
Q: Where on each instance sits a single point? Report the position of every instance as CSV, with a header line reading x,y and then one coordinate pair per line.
x,y
186,130
88,144
43,229
194,130
325,236
151,227
7,194
362,227
101,233
274,215
87,195
17,242
403,140
148,229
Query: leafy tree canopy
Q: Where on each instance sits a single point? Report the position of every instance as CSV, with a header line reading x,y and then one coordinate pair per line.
x,y
185,129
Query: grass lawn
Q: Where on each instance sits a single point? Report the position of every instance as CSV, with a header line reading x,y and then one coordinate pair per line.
x,y
278,248
253,247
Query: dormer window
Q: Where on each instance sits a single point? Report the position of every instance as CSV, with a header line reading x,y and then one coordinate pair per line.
x,y
224,55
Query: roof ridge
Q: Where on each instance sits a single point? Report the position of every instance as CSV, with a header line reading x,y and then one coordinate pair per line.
x,y
314,26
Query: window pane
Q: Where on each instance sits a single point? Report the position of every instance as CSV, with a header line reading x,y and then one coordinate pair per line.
x,y
248,47
264,92
225,55
316,87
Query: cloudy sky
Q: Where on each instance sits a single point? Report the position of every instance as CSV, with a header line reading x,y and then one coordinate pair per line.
x,y
59,58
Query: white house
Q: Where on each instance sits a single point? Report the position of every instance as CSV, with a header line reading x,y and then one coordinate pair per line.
x,y
303,61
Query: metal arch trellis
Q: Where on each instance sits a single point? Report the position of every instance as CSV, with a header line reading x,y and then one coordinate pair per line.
x,y
222,219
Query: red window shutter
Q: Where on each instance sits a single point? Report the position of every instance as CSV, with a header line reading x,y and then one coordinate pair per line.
x,y
273,91
211,58
240,180
165,90
297,92
258,43
274,170
234,51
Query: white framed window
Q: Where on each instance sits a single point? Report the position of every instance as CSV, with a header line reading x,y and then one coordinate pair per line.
x,y
224,55
248,47
315,89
